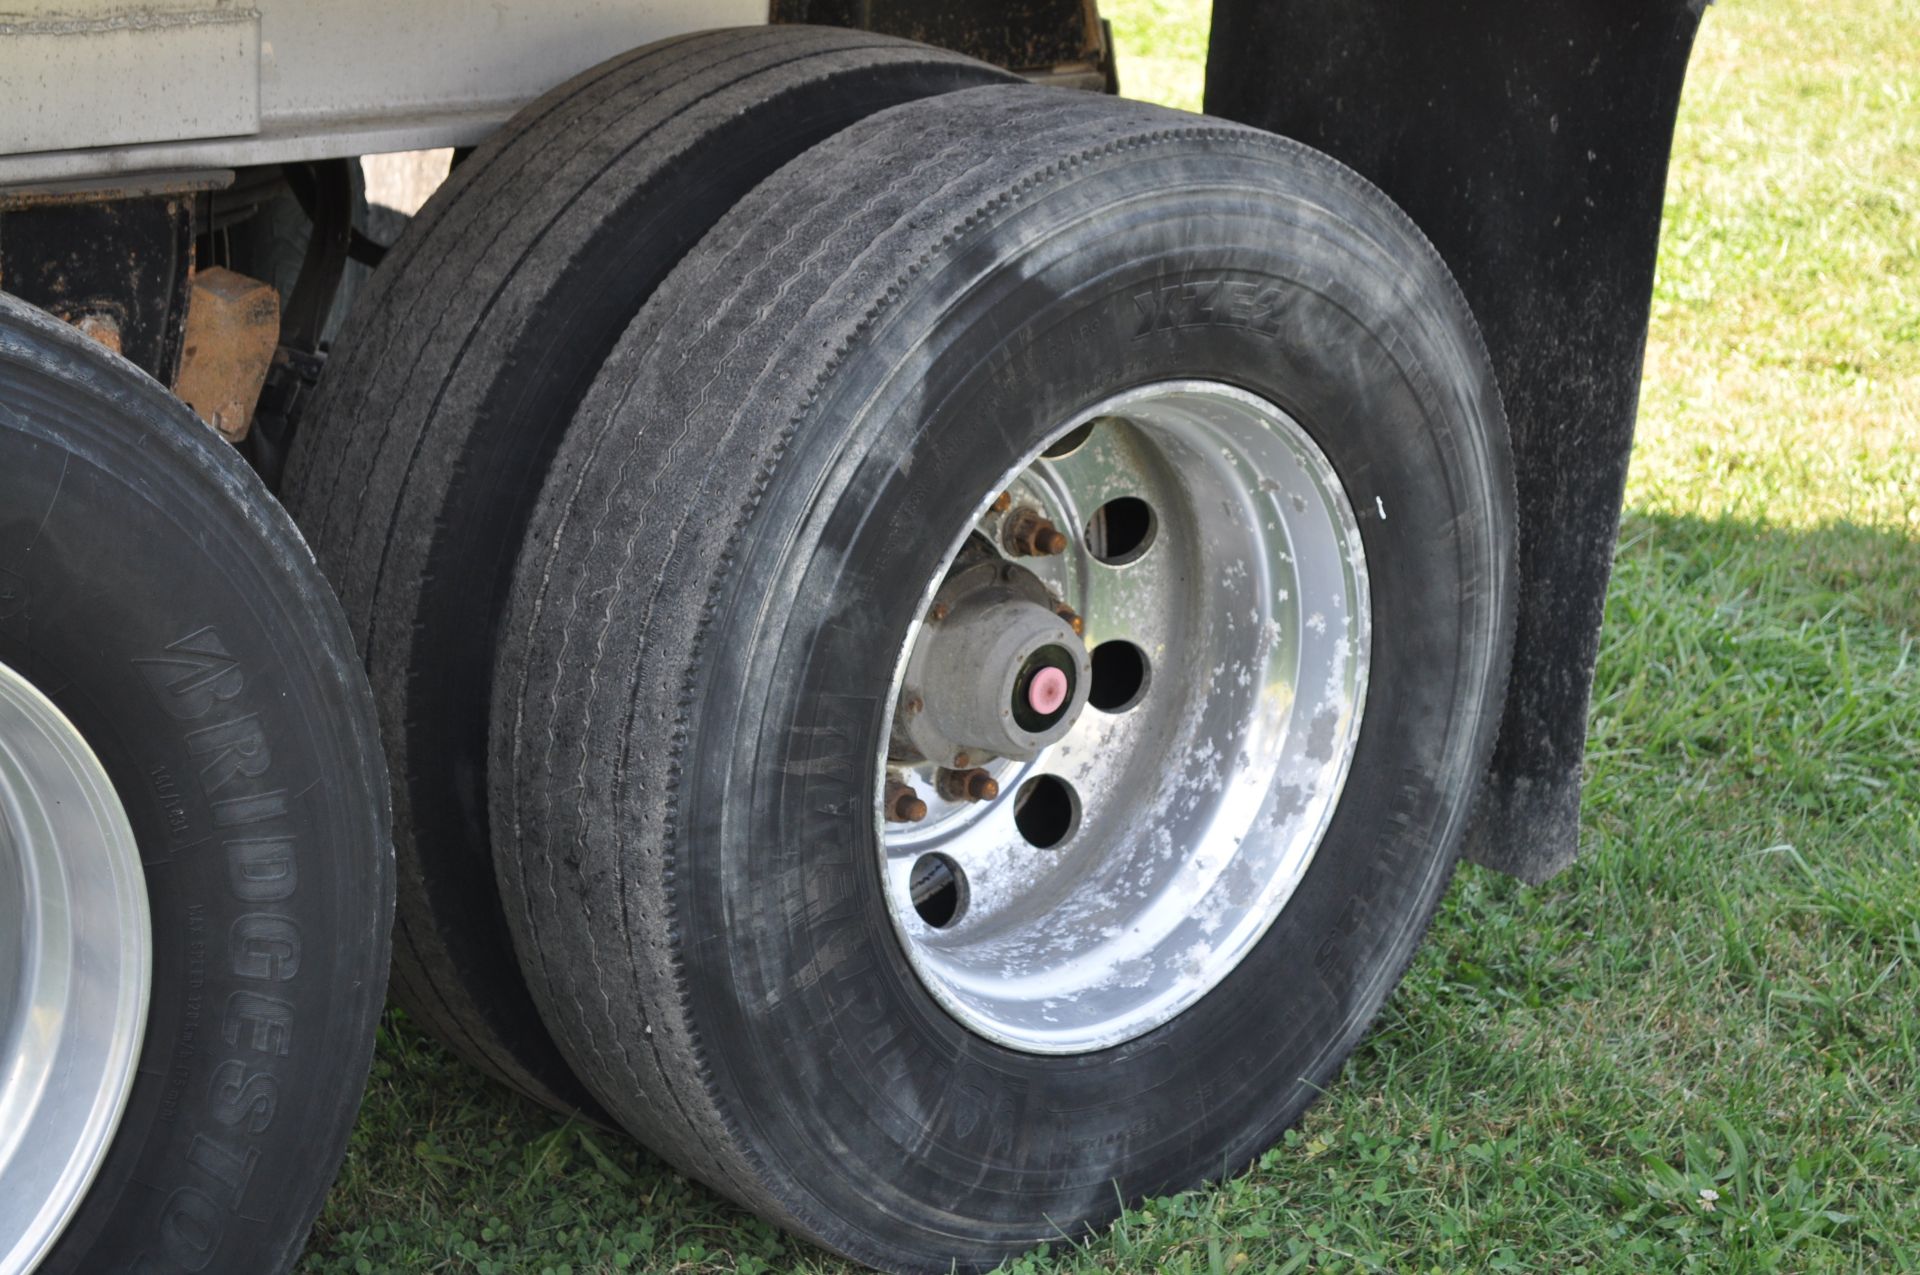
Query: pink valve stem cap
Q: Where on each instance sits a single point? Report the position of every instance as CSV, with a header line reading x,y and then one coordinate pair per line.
x,y
1047,691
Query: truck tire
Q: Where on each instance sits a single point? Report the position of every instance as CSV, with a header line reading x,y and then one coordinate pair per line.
x,y
415,471
977,385
181,706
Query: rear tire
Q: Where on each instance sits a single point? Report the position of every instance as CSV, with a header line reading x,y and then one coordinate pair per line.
x,y
739,540
415,471
153,590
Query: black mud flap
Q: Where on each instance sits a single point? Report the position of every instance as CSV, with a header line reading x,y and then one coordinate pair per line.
x,y
1529,139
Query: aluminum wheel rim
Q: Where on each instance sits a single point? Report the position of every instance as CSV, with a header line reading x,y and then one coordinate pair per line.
x,y
1193,810
75,962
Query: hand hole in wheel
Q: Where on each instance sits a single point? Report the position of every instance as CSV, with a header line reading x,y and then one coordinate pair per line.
x,y
1046,810
1121,530
939,890
1070,442
1119,677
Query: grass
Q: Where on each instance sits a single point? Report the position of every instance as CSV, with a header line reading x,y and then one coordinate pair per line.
x,y
1698,1049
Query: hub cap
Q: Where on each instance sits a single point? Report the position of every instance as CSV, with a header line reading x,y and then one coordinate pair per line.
x,y
1122,725
75,953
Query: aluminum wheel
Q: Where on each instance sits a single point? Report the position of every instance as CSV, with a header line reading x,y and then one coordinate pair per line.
x,y
1120,731
75,957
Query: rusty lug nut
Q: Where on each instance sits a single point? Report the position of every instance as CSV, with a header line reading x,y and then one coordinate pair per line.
x,y
903,803
1031,534
1072,617
967,785
1003,502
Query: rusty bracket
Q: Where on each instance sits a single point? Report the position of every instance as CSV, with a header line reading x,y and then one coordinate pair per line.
x,y
233,327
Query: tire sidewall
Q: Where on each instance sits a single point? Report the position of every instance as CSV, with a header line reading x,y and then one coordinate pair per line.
x,y
1345,321
462,428
155,596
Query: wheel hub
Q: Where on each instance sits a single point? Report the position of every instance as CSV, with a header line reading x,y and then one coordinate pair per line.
x,y
1123,723
75,956
997,671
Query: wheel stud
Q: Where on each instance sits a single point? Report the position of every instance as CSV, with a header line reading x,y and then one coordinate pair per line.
x,y
1072,617
1003,502
903,803
1031,534
966,785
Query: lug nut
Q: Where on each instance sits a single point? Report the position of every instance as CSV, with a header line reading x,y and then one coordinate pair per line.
x,y
966,785
1031,534
903,803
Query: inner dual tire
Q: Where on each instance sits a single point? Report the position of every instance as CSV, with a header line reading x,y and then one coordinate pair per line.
x,y
195,877
417,466
775,473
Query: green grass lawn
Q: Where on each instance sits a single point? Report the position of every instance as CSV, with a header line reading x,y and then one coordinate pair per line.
x,y
1698,1049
